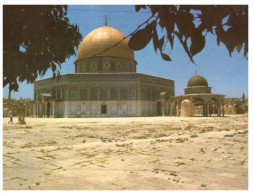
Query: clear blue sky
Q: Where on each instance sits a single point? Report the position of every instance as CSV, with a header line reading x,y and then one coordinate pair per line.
x,y
227,75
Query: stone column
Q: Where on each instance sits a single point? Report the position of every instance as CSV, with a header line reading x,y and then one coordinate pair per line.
x,y
172,108
46,109
66,113
207,109
37,110
163,107
219,109
178,114
53,107
108,98
50,109
223,109
34,110
42,109
31,110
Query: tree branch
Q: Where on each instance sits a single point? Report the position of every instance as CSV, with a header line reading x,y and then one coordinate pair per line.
x,y
125,37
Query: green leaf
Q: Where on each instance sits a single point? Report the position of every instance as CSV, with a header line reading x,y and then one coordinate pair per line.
x,y
184,21
184,44
47,36
171,39
160,43
245,49
155,40
53,67
138,7
166,57
141,38
238,47
197,42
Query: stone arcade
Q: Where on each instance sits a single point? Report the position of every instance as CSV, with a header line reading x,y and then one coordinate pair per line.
x,y
105,83
198,97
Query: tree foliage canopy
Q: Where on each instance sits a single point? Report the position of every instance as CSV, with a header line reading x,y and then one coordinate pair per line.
x,y
190,24
36,38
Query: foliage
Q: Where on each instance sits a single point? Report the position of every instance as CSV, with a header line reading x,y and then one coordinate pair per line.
x,y
190,24
35,38
240,106
243,97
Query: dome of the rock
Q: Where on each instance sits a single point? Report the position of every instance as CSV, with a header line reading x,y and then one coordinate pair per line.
x,y
104,39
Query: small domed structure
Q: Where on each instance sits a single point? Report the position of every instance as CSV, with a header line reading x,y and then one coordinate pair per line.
x,y
197,84
197,81
198,99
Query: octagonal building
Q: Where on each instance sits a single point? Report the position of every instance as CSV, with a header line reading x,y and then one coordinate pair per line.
x,y
198,100
105,83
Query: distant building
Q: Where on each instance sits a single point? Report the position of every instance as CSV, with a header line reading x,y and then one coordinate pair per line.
x,y
105,83
235,106
16,107
198,100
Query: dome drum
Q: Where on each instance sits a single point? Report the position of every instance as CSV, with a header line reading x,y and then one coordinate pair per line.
x,y
105,64
197,90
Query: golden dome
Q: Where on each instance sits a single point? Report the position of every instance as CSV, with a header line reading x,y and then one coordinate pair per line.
x,y
101,39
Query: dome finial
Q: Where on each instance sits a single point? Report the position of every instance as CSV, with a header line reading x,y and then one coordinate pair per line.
x,y
196,72
105,20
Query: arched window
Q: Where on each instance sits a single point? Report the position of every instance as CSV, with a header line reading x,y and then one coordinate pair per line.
x,y
103,94
83,93
113,93
133,93
123,94
73,95
93,93
84,67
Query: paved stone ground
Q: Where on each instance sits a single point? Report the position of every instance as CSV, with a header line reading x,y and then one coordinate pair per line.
x,y
157,153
